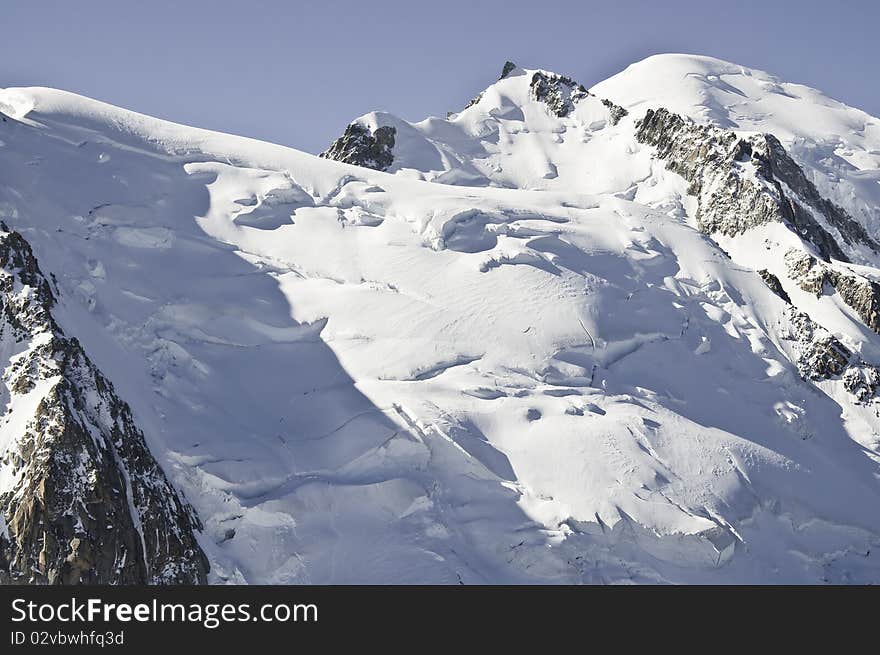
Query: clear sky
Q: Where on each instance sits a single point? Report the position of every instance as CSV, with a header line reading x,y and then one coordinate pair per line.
x,y
297,72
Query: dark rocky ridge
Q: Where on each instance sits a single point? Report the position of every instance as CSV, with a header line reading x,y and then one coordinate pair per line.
x,y
617,112
558,92
774,284
821,356
360,147
861,294
88,502
508,68
561,93
713,160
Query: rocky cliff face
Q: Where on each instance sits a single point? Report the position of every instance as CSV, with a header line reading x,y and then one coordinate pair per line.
x,y
365,144
360,147
745,182
82,500
507,69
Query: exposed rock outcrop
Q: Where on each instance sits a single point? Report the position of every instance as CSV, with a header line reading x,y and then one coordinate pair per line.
x,y
558,92
561,93
474,100
617,112
742,183
861,294
360,147
821,356
508,68
774,284
82,499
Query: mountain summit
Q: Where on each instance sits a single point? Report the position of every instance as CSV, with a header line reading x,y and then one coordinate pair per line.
x,y
627,332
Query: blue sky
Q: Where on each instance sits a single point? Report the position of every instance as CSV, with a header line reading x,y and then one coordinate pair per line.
x,y
298,72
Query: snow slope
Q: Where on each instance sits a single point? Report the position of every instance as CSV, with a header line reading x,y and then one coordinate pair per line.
x,y
838,145
513,357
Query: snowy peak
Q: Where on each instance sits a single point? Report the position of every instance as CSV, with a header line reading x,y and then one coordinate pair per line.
x,y
728,95
506,136
702,88
534,129
527,89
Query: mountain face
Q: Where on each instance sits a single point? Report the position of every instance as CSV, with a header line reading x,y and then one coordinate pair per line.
x,y
83,499
627,333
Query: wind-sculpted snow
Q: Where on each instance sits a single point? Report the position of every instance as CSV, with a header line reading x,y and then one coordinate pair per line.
x,y
515,356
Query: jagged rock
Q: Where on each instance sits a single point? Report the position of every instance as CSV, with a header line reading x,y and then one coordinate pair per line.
x,y
558,92
474,100
561,93
360,147
805,269
821,356
509,66
774,284
862,382
617,112
717,163
861,294
86,501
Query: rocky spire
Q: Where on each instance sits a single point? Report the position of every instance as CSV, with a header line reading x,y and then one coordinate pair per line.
x,y
509,66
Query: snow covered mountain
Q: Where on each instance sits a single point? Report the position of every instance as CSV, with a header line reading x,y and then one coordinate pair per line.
x,y
620,334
